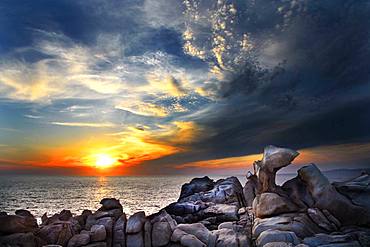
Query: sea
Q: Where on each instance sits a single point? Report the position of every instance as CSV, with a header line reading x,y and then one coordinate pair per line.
x,y
51,194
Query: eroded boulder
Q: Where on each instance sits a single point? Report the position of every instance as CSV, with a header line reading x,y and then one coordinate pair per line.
x,y
271,236
161,234
357,189
271,204
274,158
327,197
136,222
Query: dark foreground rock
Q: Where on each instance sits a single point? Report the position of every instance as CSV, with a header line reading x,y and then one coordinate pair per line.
x,y
305,211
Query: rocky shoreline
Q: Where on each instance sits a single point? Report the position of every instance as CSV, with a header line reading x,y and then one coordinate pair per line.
x,y
306,211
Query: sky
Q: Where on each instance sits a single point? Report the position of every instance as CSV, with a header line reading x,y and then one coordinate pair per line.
x,y
147,87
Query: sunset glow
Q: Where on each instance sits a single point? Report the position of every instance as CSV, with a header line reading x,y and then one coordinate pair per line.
x,y
104,160
143,87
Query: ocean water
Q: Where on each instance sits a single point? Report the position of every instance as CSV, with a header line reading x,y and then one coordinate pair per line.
x,y
51,194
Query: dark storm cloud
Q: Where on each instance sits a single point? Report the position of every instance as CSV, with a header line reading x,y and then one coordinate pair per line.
x,y
308,84
314,97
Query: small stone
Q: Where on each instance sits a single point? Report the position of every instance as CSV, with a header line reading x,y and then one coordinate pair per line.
x,y
242,211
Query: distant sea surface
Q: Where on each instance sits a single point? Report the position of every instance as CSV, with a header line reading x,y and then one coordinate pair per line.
x,y
51,194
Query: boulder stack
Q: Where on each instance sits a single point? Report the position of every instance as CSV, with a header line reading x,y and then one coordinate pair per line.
x,y
306,210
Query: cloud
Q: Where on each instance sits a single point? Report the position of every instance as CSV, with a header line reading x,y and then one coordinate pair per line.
x,y
79,124
191,81
32,116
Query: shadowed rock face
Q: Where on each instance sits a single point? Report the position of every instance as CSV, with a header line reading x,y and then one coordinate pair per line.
x,y
17,224
327,197
196,185
357,189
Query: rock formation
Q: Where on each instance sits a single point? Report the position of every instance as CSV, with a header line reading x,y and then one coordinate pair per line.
x,y
305,211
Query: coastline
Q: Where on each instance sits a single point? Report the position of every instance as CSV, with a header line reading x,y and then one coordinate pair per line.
x,y
306,210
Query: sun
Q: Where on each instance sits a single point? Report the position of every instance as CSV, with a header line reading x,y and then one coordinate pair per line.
x,y
104,160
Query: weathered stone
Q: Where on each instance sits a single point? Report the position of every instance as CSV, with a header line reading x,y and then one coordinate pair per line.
x,y
135,240
136,222
119,231
82,218
98,233
271,204
182,208
24,213
301,224
320,219
274,158
191,241
17,224
110,203
161,234
107,222
163,216
198,230
349,244
298,193
177,235
21,239
65,215
196,185
148,234
44,218
79,240
226,238
277,236
241,211
57,232
226,191
326,197
325,239
250,190
98,244
226,225
223,211
357,189
279,244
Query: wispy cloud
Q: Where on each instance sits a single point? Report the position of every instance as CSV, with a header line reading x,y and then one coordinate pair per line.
x,y
32,116
80,124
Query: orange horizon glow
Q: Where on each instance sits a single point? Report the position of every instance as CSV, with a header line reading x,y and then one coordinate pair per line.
x,y
109,162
